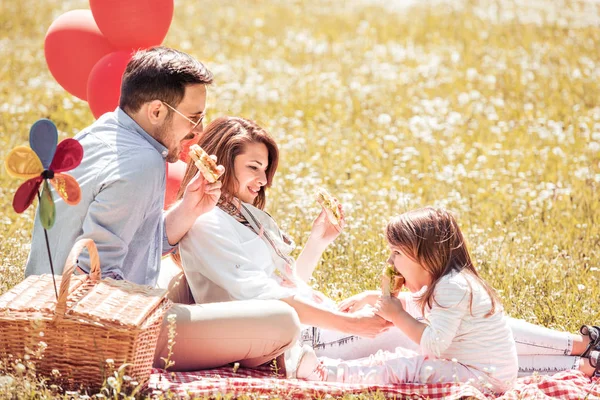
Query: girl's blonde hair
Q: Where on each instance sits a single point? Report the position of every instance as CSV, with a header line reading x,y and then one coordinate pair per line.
x,y
431,237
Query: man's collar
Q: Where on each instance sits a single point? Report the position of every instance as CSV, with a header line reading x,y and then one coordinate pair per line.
x,y
129,123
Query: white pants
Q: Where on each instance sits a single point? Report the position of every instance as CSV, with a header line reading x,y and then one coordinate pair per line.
x,y
405,366
539,349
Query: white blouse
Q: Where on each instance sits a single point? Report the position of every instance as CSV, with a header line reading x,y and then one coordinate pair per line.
x,y
458,329
224,260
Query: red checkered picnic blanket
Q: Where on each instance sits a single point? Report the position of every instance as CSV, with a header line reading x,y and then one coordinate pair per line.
x,y
563,385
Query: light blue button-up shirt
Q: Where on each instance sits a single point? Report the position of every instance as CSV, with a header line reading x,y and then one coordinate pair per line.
x,y
122,180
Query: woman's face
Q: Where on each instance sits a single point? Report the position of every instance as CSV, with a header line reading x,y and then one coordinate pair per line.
x,y
415,276
250,171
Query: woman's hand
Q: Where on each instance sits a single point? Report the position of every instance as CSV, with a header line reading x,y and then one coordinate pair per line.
x,y
366,323
322,234
358,301
323,230
362,323
388,307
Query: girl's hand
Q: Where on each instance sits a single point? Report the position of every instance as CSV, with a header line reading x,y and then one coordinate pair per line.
x,y
388,308
358,301
323,230
366,323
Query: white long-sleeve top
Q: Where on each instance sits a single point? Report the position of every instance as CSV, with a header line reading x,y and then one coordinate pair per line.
x,y
459,331
224,260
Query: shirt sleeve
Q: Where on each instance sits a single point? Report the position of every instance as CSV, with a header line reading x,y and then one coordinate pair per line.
x,y
167,248
125,192
450,305
213,250
411,306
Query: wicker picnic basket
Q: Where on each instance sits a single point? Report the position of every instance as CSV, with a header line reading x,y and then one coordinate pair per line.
x,y
93,321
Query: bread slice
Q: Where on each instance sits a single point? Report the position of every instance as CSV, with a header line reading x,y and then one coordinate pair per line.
x,y
331,205
391,281
205,164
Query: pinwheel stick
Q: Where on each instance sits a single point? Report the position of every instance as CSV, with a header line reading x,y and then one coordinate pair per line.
x,y
49,253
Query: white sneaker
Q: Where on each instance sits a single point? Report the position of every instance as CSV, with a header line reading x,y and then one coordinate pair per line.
x,y
308,364
301,362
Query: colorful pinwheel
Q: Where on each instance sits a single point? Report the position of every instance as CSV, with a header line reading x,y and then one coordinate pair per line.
x,y
43,162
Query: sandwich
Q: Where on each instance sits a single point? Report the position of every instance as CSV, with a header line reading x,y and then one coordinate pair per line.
x,y
391,281
205,164
331,205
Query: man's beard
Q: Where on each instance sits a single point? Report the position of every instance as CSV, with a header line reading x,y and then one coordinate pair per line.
x,y
161,135
172,156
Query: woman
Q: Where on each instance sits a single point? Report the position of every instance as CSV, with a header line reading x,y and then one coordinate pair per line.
x,y
237,252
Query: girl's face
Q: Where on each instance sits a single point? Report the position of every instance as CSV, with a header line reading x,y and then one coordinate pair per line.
x,y
415,276
250,171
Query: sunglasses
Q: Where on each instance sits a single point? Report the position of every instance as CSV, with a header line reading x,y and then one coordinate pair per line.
x,y
194,123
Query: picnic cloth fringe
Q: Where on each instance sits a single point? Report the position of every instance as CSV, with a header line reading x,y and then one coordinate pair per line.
x,y
263,381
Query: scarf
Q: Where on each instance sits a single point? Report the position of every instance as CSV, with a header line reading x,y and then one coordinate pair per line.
x,y
244,216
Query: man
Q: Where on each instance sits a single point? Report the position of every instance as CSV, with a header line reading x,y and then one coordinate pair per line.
x,y
122,179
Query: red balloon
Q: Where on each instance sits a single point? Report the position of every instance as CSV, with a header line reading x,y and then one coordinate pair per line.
x,y
73,45
175,173
104,83
133,24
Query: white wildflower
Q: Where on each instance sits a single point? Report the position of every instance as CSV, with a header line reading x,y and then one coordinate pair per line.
x,y
384,119
472,74
112,381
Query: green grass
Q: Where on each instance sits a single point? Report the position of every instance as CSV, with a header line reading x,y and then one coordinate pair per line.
x,y
490,109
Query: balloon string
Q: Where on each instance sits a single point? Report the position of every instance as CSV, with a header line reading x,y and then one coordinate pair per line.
x,y
49,254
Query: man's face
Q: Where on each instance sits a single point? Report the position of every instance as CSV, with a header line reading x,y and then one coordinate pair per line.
x,y
176,130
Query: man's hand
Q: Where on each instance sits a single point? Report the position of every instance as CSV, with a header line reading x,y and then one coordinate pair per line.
x,y
199,197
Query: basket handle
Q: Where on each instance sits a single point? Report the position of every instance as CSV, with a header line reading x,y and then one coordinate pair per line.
x,y
70,265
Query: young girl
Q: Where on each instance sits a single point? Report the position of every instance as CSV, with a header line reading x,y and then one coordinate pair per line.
x,y
452,314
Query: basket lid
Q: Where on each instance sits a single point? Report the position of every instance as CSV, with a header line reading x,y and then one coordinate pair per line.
x,y
117,303
36,294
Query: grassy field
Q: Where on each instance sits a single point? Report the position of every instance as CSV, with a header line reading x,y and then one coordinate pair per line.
x,y
491,109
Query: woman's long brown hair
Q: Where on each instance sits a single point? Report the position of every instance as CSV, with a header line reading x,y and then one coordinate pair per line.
x,y
431,237
226,138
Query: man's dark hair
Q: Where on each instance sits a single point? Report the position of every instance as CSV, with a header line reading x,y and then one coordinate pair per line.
x,y
160,73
